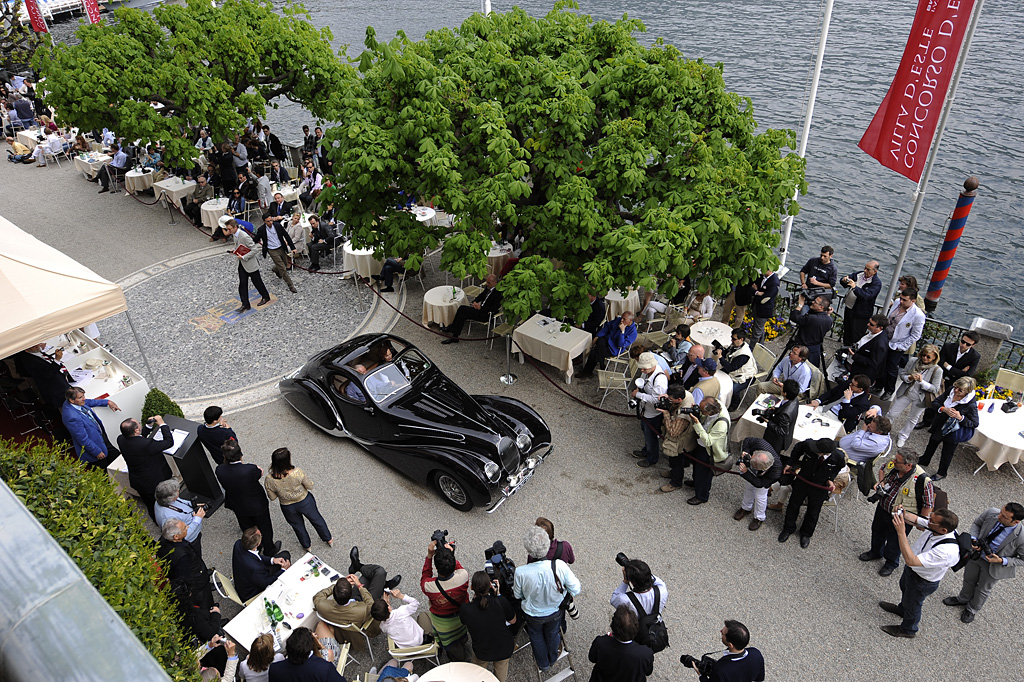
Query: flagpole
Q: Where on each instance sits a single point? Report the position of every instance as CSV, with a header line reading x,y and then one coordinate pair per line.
x,y
922,186
787,227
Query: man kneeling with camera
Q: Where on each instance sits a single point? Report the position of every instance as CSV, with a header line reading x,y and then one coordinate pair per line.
x,y
739,662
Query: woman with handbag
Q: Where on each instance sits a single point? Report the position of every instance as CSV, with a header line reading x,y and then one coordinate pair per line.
x,y
922,383
954,424
291,485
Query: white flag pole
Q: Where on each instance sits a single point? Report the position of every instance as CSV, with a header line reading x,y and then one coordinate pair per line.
x,y
922,186
787,225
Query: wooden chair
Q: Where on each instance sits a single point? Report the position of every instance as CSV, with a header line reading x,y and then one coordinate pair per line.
x,y
414,653
226,588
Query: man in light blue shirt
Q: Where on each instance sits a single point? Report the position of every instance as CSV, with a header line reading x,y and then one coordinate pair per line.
x,y
543,586
869,441
170,506
117,166
793,367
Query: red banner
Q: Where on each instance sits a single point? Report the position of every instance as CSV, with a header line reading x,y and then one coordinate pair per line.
x,y
901,132
93,10
36,17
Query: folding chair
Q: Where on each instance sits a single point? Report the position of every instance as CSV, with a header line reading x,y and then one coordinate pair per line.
x,y
610,380
1007,378
226,588
353,628
414,653
342,658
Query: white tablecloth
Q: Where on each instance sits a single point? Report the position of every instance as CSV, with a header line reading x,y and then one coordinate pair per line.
x,y
998,435
616,305
704,332
458,672
174,189
287,192
212,210
29,138
423,213
540,338
438,305
297,584
91,164
361,260
136,181
809,424
497,257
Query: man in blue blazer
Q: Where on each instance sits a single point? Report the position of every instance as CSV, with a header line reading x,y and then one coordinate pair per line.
x,y
86,429
613,339
254,572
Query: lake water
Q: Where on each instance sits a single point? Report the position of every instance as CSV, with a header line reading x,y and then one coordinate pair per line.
x,y
853,202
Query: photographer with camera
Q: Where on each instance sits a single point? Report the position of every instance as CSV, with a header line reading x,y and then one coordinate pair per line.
x,y
811,468
447,592
780,421
813,323
738,663
998,543
853,401
488,617
616,656
864,287
818,275
867,355
543,587
646,595
902,484
678,434
759,466
736,361
712,447
651,385
678,345
147,465
928,559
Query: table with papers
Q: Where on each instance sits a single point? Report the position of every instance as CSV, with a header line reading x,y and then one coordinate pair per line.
x,y
810,423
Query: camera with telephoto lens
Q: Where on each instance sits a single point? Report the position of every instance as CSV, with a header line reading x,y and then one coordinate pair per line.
x,y
763,415
499,568
880,493
440,537
983,550
717,345
705,664
621,559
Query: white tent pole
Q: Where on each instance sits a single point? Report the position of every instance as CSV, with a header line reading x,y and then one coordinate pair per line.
x,y
922,186
138,342
787,226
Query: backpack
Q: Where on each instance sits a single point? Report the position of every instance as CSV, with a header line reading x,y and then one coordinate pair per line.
x,y
941,498
963,543
653,633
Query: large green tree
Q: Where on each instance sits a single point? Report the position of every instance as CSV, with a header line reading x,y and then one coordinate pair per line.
x,y
621,162
206,65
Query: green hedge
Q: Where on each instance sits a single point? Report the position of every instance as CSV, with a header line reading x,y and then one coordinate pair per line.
x,y
102,532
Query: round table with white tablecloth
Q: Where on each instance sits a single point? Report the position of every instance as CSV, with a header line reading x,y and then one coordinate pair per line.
x,y
440,306
173,189
998,436
706,332
29,138
287,192
423,213
90,165
212,210
458,672
361,260
135,181
498,257
616,304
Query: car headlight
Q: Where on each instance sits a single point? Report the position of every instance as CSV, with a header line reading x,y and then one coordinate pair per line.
x,y
492,471
523,442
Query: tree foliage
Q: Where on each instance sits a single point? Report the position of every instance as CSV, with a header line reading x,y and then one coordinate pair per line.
x,y
621,162
17,40
206,65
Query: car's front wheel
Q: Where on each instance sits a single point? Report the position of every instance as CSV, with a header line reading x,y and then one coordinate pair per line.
x,y
452,490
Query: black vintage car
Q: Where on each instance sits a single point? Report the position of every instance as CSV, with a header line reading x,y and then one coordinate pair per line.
x,y
383,393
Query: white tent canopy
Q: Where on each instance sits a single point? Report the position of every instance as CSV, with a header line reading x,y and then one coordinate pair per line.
x,y
44,293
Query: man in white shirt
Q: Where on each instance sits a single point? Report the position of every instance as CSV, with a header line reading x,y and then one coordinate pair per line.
x,y
905,326
655,385
933,553
204,143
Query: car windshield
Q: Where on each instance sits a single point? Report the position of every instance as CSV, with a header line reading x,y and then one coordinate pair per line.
x,y
395,378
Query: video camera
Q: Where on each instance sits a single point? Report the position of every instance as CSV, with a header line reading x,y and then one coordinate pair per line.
x,y
717,345
440,537
499,568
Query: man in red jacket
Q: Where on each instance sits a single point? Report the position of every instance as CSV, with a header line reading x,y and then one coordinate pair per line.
x,y
447,592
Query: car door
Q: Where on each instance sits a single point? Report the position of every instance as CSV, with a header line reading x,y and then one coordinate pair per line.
x,y
360,417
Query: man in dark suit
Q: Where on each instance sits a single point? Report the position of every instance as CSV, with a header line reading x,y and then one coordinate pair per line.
x,y
147,465
812,326
274,145
870,350
51,377
597,313
244,495
254,572
780,422
215,432
766,290
864,287
814,463
278,174
957,359
850,402
488,302
616,656
186,567
324,239
280,210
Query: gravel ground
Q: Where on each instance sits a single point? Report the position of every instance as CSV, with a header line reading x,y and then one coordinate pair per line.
x,y
813,612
